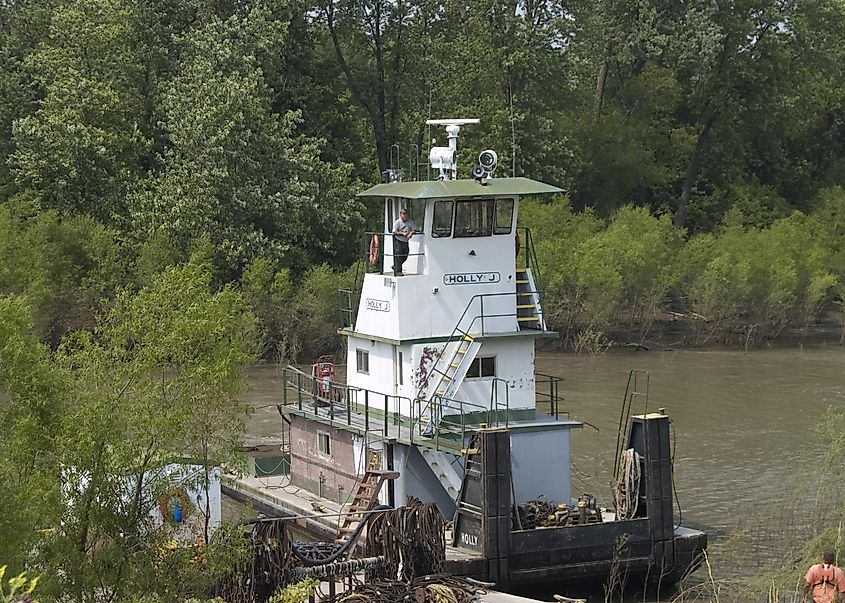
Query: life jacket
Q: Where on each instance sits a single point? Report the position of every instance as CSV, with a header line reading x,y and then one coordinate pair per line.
x,y
828,575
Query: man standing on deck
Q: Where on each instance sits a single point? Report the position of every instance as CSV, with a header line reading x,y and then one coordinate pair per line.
x,y
826,581
403,229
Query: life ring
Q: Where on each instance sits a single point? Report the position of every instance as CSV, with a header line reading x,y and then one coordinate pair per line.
x,y
374,249
175,506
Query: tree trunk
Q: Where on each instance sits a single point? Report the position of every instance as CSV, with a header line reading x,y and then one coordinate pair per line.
x,y
375,113
692,172
601,81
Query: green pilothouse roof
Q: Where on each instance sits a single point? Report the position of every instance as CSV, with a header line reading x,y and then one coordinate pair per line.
x,y
441,189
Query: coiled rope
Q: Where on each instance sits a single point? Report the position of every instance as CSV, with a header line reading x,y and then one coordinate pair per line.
x,y
626,492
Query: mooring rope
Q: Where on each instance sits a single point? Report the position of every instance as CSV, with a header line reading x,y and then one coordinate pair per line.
x,y
626,492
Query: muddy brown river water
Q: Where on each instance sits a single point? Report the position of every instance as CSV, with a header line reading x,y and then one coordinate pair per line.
x,y
744,432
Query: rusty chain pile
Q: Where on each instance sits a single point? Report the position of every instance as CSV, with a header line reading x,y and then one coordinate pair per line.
x,y
275,562
411,539
440,588
543,514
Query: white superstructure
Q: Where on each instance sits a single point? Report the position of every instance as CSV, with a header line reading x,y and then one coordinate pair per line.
x,y
442,349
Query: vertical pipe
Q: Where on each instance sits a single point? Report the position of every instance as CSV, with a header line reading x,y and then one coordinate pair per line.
x,y
385,414
391,492
410,419
482,315
299,390
367,409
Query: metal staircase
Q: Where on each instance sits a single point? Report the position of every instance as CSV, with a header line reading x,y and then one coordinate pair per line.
x,y
443,466
529,314
448,373
450,378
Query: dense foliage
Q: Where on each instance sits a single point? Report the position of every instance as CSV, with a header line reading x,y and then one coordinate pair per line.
x,y
88,433
701,144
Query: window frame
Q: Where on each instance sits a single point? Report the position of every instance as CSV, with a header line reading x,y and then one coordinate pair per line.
x,y
481,374
361,354
473,204
321,437
413,206
434,231
496,230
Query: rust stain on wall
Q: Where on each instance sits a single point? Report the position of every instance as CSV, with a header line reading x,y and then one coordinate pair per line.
x,y
420,375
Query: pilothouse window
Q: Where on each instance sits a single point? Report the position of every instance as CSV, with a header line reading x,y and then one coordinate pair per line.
x,y
441,225
474,218
504,216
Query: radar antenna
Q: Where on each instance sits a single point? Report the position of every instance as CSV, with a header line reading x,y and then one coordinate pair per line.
x,y
445,159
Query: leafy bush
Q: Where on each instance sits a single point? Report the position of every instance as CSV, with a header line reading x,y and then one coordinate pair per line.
x,y
19,588
601,278
755,282
299,319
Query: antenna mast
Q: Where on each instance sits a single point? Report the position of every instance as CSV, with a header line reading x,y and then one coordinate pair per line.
x,y
445,159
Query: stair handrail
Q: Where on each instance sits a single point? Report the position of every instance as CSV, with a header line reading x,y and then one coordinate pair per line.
x,y
458,333
530,256
464,428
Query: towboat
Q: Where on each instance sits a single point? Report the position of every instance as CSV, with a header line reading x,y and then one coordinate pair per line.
x,y
441,401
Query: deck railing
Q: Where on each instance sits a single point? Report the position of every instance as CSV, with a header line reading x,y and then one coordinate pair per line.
x,y
370,412
547,390
372,260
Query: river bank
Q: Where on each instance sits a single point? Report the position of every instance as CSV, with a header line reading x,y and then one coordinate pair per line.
x,y
678,333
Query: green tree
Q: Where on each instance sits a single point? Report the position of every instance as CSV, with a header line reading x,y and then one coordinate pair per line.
x,y
155,382
65,268
299,318
80,151
31,405
235,171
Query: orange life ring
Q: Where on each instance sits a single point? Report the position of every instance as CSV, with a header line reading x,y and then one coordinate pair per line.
x,y
374,249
